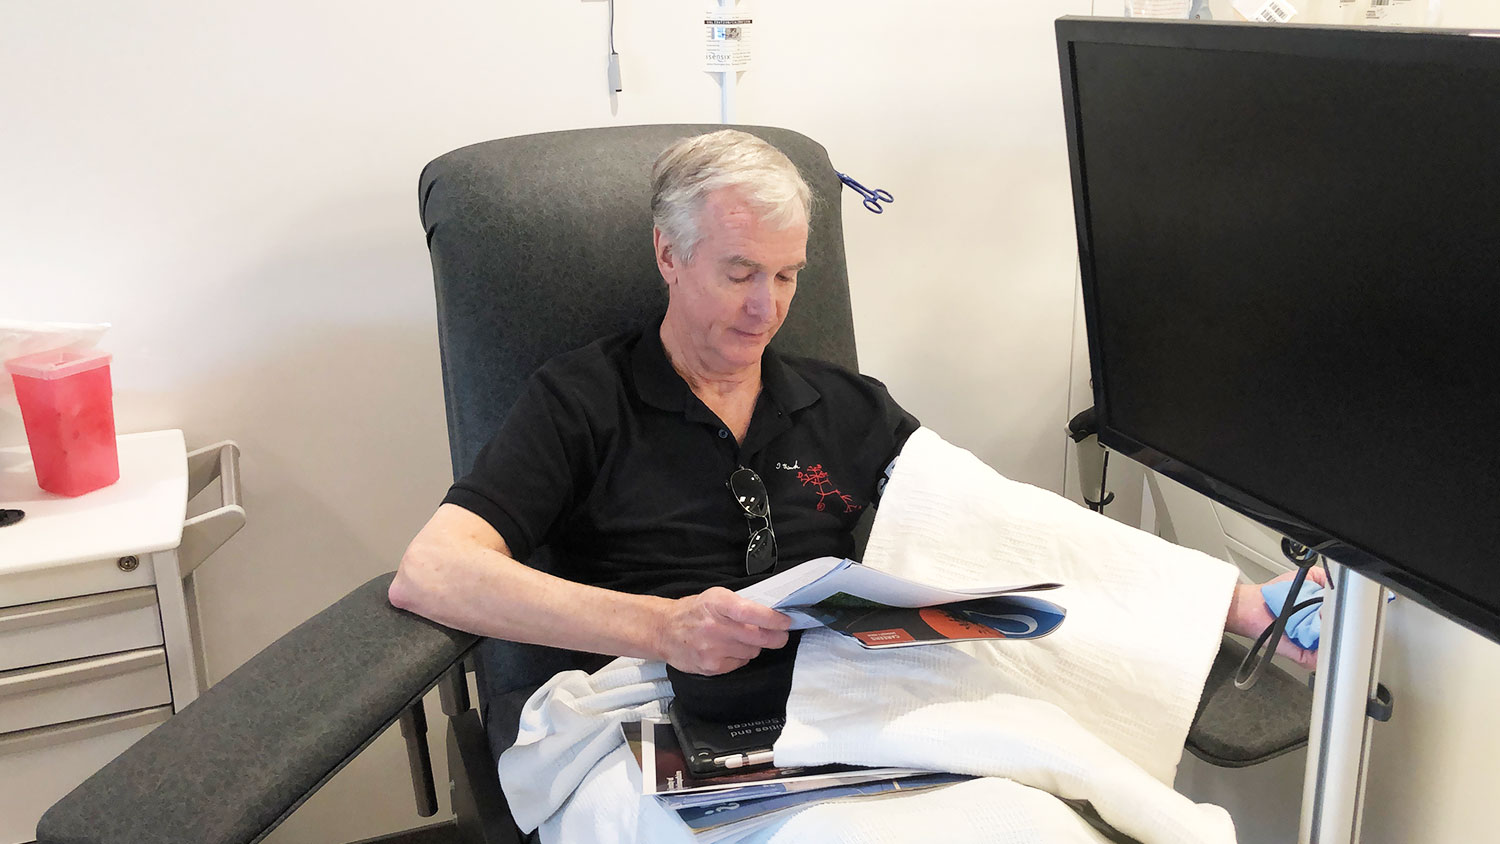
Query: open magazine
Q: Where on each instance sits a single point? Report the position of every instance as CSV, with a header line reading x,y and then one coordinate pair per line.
x,y
880,610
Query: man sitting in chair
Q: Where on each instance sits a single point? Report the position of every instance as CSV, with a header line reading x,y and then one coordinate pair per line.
x,y
668,467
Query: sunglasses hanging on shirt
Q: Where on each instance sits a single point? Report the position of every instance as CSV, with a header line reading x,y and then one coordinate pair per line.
x,y
750,493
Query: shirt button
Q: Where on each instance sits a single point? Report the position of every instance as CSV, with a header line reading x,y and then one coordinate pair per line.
x,y
723,434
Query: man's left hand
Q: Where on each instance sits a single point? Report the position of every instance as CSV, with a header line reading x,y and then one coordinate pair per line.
x,y
1249,617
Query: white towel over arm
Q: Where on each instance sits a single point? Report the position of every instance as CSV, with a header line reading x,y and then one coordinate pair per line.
x,y
1145,617
1088,712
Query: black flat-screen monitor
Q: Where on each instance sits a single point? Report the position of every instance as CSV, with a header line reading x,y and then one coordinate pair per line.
x,y
1289,240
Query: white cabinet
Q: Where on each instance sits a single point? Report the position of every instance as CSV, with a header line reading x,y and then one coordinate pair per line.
x,y
98,638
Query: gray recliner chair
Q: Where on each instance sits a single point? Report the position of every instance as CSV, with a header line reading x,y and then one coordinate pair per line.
x,y
539,244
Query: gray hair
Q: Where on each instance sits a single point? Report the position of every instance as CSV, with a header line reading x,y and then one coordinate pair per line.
x,y
691,168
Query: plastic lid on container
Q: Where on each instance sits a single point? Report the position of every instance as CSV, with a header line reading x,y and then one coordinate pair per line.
x,y
58,363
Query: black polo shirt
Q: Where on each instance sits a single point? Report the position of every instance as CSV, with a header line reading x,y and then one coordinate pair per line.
x,y
610,462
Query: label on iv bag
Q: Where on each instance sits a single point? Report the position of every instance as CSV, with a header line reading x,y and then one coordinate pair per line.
x,y
727,43
1395,13
1384,13
1178,9
1265,11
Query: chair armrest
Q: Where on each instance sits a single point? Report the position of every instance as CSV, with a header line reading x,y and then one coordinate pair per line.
x,y
233,764
1235,728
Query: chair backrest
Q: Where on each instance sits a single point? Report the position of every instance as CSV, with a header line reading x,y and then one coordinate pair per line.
x,y
541,244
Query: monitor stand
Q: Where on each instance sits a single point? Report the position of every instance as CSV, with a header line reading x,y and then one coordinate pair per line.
x,y
1346,698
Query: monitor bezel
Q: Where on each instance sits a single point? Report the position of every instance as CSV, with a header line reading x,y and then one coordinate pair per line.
x,y
1446,47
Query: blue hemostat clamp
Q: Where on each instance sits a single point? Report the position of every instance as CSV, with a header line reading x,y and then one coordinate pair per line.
x,y
873,198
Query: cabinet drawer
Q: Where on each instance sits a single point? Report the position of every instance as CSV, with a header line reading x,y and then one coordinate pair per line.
x,y
89,625
37,767
89,577
83,688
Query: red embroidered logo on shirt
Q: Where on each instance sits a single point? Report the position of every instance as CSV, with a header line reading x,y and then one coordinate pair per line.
x,y
815,477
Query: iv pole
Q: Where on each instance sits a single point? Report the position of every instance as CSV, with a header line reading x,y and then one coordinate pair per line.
x,y
1345,689
728,78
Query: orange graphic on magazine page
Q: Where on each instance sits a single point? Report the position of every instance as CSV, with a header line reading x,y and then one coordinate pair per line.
x,y
951,626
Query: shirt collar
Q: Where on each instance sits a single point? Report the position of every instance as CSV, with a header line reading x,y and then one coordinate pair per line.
x,y
659,385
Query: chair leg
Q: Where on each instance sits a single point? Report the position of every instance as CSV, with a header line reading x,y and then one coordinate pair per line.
x,y
479,806
453,689
413,722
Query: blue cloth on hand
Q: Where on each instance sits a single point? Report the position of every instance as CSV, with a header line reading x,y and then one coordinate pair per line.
x,y
1302,627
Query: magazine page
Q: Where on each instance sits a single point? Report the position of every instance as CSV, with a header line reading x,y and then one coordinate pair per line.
x,y
702,819
773,591
775,788
874,585
648,756
877,626
815,581
631,730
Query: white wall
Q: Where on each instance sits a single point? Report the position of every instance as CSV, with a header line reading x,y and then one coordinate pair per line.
x,y
962,291
234,187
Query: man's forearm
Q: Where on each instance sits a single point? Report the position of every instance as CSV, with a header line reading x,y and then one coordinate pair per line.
x,y
459,572
486,592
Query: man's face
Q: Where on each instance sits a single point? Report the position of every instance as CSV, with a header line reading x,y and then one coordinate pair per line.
x,y
733,295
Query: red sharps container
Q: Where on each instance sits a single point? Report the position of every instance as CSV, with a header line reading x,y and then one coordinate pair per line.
x,y
67,405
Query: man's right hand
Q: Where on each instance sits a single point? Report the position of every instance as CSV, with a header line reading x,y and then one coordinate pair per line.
x,y
718,631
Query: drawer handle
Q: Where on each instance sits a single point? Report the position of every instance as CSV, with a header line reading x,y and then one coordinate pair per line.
x,y
205,534
38,738
27,681
75,609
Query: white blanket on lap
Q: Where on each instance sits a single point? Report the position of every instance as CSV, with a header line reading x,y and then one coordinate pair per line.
x,y
1096,712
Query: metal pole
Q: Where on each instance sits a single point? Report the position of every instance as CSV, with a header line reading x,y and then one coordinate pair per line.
x,y
1338,746
727,81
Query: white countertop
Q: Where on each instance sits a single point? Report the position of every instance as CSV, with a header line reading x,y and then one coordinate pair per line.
x,y
141,513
